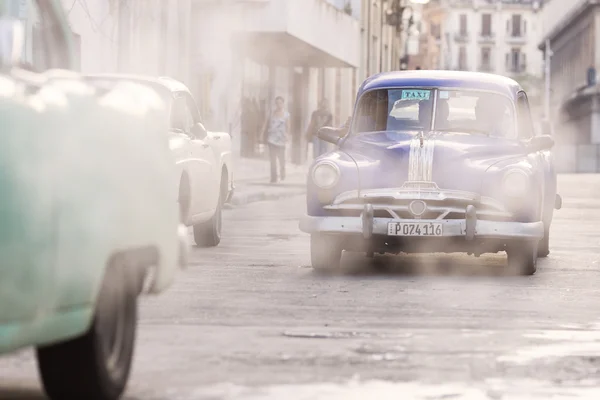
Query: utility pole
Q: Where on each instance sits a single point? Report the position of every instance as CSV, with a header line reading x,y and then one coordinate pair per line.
x,y
548,55
123,29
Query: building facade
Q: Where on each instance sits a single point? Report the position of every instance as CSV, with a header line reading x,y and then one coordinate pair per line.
x,y
246,53
132,36
497,36
390,34
571,41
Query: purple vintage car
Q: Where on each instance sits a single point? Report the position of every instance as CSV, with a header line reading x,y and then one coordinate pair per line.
x,y
434,161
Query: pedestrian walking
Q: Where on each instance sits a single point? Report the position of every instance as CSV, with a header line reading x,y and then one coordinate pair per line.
x,y
276,129
321,117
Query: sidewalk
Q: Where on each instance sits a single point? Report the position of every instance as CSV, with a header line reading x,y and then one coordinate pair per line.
x,y
252,176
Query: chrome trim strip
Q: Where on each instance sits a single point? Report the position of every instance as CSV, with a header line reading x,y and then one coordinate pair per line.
x,y
428,160
422,191
420,160
413,159
393,209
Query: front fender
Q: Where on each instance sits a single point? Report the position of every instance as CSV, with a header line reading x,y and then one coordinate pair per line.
x,y
316,198
528,209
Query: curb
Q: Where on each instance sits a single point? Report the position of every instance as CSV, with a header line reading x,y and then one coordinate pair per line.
x,y
254,197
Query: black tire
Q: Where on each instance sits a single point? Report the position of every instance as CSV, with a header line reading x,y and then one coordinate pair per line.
x,y
184,199
325,253
544,246
522,258
96,366
208,234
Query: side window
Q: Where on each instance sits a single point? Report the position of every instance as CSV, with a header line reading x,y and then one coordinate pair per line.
x,y
526,130
192,107
181,117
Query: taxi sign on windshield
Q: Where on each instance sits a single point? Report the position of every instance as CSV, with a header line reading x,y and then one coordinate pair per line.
x,y
415,94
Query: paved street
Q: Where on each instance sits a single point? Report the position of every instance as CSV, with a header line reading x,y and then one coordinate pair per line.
x,y
249,320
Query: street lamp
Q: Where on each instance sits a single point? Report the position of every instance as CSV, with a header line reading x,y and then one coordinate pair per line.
x,y
395,17
395,13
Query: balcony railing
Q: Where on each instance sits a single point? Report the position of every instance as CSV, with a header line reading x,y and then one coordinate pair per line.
x,y
488,37
516,39
461,36
520,69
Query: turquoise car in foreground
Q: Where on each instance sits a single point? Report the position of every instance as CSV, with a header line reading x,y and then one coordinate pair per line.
x,y
89,218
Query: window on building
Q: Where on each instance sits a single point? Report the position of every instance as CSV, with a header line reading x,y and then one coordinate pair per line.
x,y
386,58
435,30
462,58
486,58
516,29
486,25
463,24
514,60
373,59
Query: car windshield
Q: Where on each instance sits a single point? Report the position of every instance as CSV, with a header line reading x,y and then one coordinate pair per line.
x,y
456,110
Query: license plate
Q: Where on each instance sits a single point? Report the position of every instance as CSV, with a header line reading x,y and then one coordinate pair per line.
x,y
415,229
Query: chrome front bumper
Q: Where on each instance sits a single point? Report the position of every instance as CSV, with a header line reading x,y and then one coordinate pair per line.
x,y
469,228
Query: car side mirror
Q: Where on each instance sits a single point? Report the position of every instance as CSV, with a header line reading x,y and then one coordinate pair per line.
x,y
540,143
199,131
12,42
332,135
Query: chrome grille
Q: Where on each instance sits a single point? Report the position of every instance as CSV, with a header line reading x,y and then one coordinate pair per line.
x,y
394,203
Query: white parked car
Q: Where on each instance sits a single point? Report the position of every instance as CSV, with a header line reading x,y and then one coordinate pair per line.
x,y
203,158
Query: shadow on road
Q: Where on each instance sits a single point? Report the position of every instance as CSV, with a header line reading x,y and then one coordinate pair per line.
x,y
8,393
491,265
21,394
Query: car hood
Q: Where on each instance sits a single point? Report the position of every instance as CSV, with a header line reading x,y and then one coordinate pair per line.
x,y
451,160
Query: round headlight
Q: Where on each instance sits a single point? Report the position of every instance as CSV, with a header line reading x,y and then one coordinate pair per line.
x,y
325,175
516,183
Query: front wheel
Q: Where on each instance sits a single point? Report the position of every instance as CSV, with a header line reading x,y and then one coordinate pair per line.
x,y
208,234
96,366
325,252
522,258
544,246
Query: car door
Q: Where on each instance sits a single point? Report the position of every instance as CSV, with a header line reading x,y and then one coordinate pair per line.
x,y
542,159
206,144
199,158
31,279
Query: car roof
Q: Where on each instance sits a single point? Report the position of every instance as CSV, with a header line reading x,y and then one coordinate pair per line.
x,y
170,84
445,79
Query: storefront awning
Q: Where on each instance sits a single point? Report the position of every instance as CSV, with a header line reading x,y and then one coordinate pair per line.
x,y
310,33
284,50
